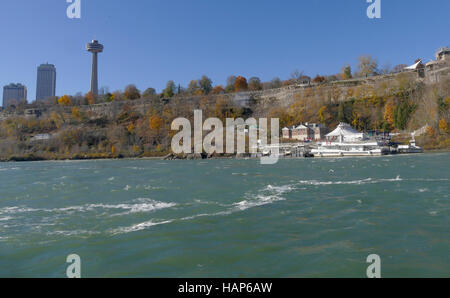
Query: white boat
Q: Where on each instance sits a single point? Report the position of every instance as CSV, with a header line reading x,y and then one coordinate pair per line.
x,y
410,148
346,141
337,149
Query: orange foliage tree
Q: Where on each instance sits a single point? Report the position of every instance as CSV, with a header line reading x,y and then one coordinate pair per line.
x,y
240,84
218,90
90,98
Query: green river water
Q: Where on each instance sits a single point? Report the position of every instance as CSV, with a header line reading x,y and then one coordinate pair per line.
x,y
227,218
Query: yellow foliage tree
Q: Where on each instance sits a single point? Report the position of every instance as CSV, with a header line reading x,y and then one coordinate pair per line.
x,y
65,101
447,101
443,125
155,122
76,114
322,114
389,109
57,119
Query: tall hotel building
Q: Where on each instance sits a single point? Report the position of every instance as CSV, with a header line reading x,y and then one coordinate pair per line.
x,y
46,82
14,94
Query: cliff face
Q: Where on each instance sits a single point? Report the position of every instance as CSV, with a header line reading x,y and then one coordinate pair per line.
x,y
333,92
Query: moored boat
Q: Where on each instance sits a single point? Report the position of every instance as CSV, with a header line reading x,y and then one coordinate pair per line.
x,y
346,141
350,149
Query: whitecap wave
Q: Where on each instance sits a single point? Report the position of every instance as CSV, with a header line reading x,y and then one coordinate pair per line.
x,y
72,233
139,227
9,169
15,210
355,182
267,195
141,205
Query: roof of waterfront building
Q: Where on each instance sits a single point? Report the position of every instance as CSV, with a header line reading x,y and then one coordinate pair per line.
x,y
344,129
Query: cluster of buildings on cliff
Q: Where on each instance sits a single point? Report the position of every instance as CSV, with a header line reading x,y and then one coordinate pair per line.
x,y
434,69
15,94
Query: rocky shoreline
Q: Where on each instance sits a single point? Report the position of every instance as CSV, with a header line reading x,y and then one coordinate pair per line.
x,y
169,157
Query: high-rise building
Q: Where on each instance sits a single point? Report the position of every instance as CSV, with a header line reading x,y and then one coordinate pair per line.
x,y
94,47
14,94
46,81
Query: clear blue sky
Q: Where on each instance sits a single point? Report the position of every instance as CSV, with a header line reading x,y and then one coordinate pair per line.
x,y
148,42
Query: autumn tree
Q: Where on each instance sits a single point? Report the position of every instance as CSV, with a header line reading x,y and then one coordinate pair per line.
x,y
254,84
276,83
205,84
218,90
155,122
229,88
65,101
108,97
322,111
389,109
131,93
169,91
76,114
225,108
193,88
90,98
319,79
367,66
298,77
240,84
347,72
149,92
443,126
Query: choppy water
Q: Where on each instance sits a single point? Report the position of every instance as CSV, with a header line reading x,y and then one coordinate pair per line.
x,y
227,218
